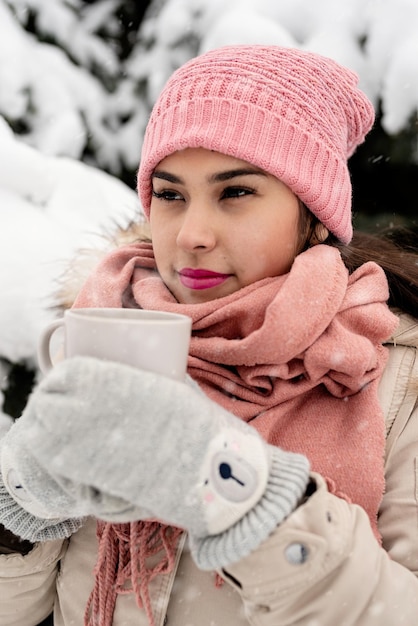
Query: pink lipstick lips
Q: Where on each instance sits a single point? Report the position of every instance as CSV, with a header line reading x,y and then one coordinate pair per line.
x,y
201,278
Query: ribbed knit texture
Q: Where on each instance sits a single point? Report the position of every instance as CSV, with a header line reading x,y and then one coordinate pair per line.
x,y
295,114
31,528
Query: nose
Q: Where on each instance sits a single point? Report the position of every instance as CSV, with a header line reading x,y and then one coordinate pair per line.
x,y
197,228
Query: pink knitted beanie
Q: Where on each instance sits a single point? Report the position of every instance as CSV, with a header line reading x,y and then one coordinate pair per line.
x,y
295,114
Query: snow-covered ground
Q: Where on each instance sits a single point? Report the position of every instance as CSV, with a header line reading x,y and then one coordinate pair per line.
x,y
51,203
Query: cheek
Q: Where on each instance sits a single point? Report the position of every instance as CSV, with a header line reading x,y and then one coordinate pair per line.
x,y
270,253
162,236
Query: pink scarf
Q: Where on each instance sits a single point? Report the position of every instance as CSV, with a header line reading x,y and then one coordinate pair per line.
x,y
299,356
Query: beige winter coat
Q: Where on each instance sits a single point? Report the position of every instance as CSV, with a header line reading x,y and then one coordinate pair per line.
x,y
321,567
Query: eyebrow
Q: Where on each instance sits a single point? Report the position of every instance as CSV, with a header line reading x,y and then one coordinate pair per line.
x,y
214,178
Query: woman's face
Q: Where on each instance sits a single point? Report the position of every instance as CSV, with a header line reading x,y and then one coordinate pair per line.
x,y
219,224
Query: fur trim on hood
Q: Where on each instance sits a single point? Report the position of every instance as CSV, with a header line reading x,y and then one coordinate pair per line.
x,y
73,277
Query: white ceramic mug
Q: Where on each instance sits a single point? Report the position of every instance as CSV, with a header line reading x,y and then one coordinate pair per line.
x,y
152,340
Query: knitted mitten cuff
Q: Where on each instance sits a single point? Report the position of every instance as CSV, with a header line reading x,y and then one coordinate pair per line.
x,y
287,482
27,526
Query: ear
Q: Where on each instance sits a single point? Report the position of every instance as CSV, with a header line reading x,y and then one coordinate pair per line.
x,y
319,234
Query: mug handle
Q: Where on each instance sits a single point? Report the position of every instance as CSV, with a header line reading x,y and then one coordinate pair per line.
x,y
44,355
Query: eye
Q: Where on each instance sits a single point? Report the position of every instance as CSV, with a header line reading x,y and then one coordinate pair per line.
x,y
167,195
236,192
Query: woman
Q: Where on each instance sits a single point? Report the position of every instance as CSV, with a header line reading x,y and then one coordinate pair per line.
x,y
267,466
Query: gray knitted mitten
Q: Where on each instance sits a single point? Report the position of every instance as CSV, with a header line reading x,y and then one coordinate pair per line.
x,y
26,525
123,444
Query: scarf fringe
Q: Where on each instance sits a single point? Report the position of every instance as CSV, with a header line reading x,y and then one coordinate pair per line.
x,y
122,568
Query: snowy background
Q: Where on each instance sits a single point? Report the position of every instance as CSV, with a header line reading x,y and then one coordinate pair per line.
x,y
74,102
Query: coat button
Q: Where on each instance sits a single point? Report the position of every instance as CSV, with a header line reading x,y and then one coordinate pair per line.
x,y
296,553
263,608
